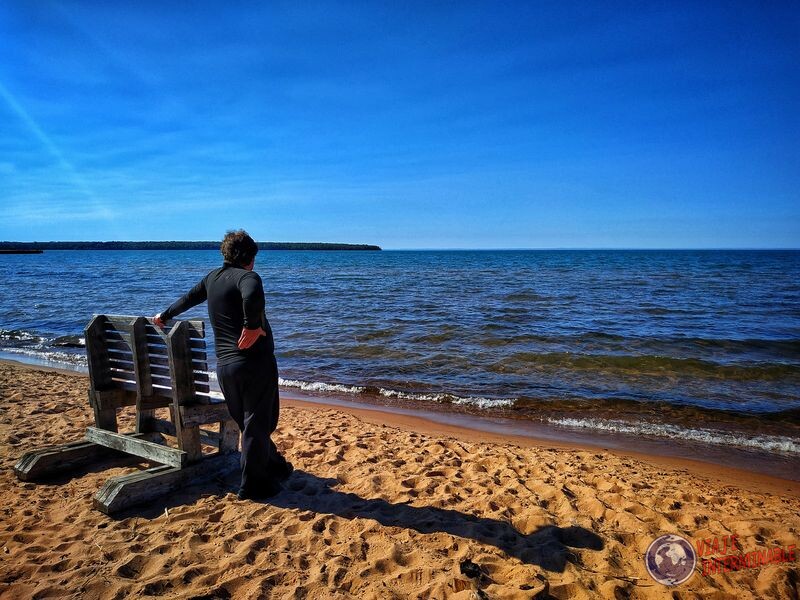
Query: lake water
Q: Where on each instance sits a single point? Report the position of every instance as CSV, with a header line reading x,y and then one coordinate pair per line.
x,y
693,345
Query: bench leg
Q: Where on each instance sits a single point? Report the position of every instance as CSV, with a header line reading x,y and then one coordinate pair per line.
x,y
124,491
57,459
105,418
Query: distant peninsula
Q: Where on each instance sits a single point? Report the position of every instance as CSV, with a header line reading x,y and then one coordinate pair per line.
x,y
27,246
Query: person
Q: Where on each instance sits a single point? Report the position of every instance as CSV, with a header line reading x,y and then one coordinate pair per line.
x,y
246,368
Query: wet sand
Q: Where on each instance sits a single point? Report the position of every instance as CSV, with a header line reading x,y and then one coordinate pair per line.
x,y
381,506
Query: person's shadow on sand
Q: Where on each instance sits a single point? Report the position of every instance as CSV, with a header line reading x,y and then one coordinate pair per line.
x,y
547,547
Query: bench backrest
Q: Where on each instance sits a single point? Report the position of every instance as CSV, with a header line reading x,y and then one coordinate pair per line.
x,y
140,360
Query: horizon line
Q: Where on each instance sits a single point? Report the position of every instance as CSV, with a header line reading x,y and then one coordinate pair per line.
x,y
450,249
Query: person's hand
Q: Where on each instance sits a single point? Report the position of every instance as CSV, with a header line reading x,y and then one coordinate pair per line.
x,y
158,322
249,337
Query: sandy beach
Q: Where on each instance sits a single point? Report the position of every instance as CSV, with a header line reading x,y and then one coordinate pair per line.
x,y
382,506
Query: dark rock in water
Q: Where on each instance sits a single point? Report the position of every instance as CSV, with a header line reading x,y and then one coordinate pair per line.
x,y
69,341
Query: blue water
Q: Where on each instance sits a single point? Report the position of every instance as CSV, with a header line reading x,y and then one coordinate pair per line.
x,y
521,331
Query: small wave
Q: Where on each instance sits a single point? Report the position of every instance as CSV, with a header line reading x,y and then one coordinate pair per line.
x,y
54,357
450,398
705,436
19,335
408,396
486,402
23,338
318,386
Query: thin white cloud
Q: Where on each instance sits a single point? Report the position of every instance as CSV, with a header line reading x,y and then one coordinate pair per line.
x,y
74,178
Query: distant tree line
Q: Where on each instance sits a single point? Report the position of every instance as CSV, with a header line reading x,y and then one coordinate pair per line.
x,y
176,246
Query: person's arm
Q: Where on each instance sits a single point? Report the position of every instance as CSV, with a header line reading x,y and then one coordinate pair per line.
x,y
193,297
252,308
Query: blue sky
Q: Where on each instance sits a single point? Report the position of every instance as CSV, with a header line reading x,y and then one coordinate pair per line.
x,y
408,125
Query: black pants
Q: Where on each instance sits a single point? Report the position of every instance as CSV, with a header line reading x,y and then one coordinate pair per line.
x,y
251,392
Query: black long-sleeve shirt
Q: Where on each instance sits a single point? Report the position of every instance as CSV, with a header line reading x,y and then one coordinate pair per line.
x,y
235,300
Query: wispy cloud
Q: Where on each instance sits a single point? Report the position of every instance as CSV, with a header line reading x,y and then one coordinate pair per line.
x,y
77,182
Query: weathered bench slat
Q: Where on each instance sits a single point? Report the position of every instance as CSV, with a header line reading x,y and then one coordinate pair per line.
x,y
194,344
204,414
210,438
119,353
126,381
156,359
183,389
161,380
199,385
197,326
209,398
196,355
197,365
159,371
122,341
155,401
130,386
120,365
99,375
57,459
116,363
153,341
121,347
121,373
162,374
143,374
157,340
118,337
138,447
111,400
124,491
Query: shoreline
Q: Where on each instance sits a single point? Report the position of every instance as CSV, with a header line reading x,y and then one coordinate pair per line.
x,y
470,428
381,506
726,475
765,442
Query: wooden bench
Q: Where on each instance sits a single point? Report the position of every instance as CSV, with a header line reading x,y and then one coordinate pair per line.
x,y
132,362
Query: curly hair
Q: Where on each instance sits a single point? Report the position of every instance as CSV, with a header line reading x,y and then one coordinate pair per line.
x,y
238,248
